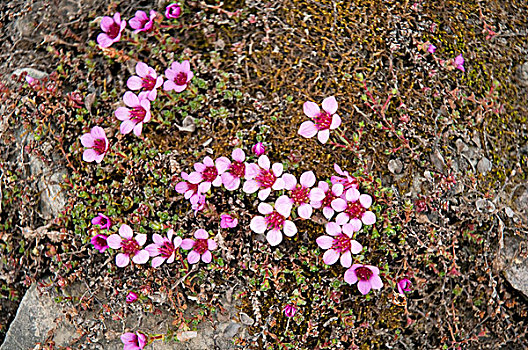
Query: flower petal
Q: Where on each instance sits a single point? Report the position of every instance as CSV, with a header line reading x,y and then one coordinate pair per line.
x,y
258,224
265,208
375,282
325,242
141,238
277,168
211,244
89,155
355,247
134,83
142,69
207,257
328,212
330,105
336,122
289,228
350,275
157,261
346,259
250,186
264,162
307,129
364,287
222,164
114,241
352,195
317,194
193,257
238,155
339,204
311,109
365,200
141,257
323,136
125,231
201,234
130,99
264,194
122,260
187,243
356,224
330,257
283,205
274,237
368,218
305,211
307,179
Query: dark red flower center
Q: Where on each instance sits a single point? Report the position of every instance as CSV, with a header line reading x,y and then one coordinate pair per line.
x,y
323,121
113,31
210,173
275,221
100,241
364,273
181,78
166,249
200,246
327,200
265,178
192,187
137,114
148,82
100,147
237,169
341,243
355,210
300,195
130,246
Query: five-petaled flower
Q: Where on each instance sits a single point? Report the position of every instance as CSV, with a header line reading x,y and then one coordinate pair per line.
x,y
274,220
208,173
96,145
134,341
301,195
227,221
164,248
328,196
99,242
340,244
178,76
186,188
146,79
172,11
133,118
130,246
141,22
262,178
112,28
201,247
102,221
366,276
404,285
323,121
235,170
431,48
354,209
348,181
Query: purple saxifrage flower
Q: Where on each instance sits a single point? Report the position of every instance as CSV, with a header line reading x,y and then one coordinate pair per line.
x,y
208,173
258,149
112,28
329,195
164,248
354,209
339,243
227,221
102,221
96,145
198,202
404,285
130,246
300,195
274,220
133,118
201,247
99,243
134,341
323,121
178,76
459,63
141,22
347,180
146,79
172,11
262,178
290,310
131,297
366,276
431,48
185,187
235,170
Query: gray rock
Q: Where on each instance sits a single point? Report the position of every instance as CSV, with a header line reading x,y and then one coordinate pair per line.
x,y
522,74
34,73
484,166
515,267
395,166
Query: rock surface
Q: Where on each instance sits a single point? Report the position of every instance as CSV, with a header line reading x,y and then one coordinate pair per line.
x,y
515,254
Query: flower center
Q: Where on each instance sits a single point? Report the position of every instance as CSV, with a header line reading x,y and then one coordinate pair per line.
x,y
137,114
148,82
181,78
113,31
275,221
130,246
355,210
237,169
192,187
341,243
210,173
166,250
323,121
363,273
200,246
100,241
327,200
265,178
100,147
300,195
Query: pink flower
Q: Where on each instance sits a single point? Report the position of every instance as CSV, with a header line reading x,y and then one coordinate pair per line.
x,y
146,78
263,179
366,276
185,187
133,118
164,248
300,194
322,122
404,285
130,246
198,202
178,75
258,149
112,28
227,221
99,243
200,247
354,209
290,310
459,63
235,170
347,181
208,173
102,221
340,244
172,11
134,341
131,297
431,48
141,22
328,196
274,220
96,145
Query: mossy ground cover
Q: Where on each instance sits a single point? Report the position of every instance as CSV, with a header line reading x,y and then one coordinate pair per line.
x,y
256,64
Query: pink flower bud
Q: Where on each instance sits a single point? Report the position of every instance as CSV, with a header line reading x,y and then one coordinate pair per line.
x,y
431,48
227,221
131,297
259,149
404,285
173,11
290,310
